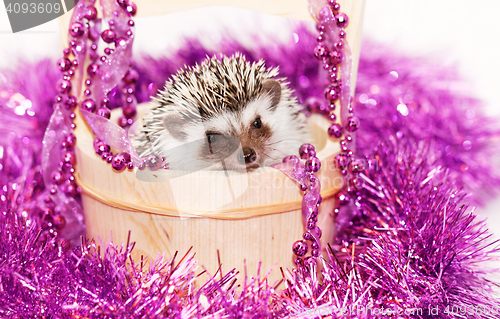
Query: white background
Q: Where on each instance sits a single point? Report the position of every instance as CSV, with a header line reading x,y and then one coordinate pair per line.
x,y
465,32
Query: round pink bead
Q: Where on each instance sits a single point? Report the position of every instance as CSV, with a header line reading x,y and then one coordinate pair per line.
x,y
76,29
89,105
90,12
108,36
154,162
119,162
335,130
57,178
313,164
104,112
70,102
343,198
352,124
129,111
64,86
131,8
100,147
342,20
92,69
69,158
335,57
305,150
64,64
71,139
300,248
71,189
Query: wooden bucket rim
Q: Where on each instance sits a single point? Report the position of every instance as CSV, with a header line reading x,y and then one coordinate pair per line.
x,y
227,214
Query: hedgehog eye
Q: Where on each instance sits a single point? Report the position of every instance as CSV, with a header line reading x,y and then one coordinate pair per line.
x,y
212,137
257,123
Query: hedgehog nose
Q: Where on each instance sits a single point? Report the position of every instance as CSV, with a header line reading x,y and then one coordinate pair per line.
x,y
249,155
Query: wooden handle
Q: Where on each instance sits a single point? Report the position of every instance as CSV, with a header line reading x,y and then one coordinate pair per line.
x,y
291,9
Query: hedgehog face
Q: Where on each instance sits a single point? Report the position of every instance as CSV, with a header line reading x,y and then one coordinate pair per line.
x,y
251,127
224,114
228,139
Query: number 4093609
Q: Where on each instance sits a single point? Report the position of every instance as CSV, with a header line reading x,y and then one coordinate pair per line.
x,y
33,8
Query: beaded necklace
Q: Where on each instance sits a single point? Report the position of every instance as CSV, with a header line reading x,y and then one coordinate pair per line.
x,y
334,53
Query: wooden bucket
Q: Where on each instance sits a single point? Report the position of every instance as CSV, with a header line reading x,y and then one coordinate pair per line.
x,y
249,218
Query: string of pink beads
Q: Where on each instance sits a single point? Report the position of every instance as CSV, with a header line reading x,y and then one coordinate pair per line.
x,y
121,161
83,34
115,37
310,203
63,178
331,59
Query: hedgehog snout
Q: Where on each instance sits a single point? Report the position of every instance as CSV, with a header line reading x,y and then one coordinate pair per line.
x,y
248,155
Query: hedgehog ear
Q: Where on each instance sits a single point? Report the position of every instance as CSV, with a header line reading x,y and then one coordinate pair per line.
x,y
272,88
175,124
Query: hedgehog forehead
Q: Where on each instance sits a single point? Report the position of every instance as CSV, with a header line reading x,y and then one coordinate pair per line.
x,y
212,95
238,123
257,108
225,123
215,86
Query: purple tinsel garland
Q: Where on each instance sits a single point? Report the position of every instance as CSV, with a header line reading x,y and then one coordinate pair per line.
x,y
406,243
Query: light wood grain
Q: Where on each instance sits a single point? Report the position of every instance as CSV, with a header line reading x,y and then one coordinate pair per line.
x,y
267,239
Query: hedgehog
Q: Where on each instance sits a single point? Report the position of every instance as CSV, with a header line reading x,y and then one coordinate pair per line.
x,y
225,113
